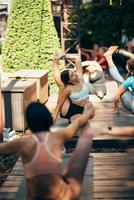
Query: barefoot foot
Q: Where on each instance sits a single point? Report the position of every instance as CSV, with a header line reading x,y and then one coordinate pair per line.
x,y
111,50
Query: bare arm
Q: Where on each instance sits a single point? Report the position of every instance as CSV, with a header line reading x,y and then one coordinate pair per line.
x,y
101,60
64,93
87,50
10,147
57,72
68,132
79,67
122,131
85,54
118,93
126,53
77,61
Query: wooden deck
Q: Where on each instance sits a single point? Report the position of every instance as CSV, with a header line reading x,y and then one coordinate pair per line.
x,y
104,116
13,182
109,175
113,176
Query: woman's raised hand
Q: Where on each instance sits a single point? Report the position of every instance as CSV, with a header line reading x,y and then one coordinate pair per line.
x,y
58,56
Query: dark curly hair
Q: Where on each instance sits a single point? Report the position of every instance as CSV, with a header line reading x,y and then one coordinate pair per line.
x,y
38,117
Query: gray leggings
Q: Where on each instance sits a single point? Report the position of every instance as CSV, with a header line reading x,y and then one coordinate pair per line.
x,y
126,98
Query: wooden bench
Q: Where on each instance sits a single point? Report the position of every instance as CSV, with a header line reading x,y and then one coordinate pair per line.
x,y
17,94
41,78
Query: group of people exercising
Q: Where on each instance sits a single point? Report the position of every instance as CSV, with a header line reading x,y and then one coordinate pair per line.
x,y
75,86
41,151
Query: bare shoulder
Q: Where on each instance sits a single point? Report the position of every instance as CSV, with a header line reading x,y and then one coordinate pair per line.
x,y
59,133
56,131
26,141
67,89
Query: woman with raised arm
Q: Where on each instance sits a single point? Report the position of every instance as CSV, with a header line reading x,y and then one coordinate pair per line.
x,y
41,154
73,91
125,91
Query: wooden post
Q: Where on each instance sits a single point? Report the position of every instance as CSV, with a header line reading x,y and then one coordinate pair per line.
x,y
1,117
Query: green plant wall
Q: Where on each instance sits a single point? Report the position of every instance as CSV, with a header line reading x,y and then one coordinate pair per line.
x,y
31,37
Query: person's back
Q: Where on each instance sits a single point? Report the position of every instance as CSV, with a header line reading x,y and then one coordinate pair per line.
x,y
43,170
41,154
43,158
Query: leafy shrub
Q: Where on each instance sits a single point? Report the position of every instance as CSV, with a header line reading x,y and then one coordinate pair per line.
x,y
31,37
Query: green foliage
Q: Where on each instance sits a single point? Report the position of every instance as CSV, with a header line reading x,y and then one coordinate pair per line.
x,y
31,37
103,23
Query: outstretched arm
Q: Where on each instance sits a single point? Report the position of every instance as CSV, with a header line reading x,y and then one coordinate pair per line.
x,y
79,67
118,93
63,95
88,113
11,147
87,50
86,55
126,53
121,131
57,72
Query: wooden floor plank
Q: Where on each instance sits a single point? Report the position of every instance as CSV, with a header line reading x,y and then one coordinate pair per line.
x,y
113,176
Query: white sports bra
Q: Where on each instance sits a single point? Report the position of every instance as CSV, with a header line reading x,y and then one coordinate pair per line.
x,y
82,94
